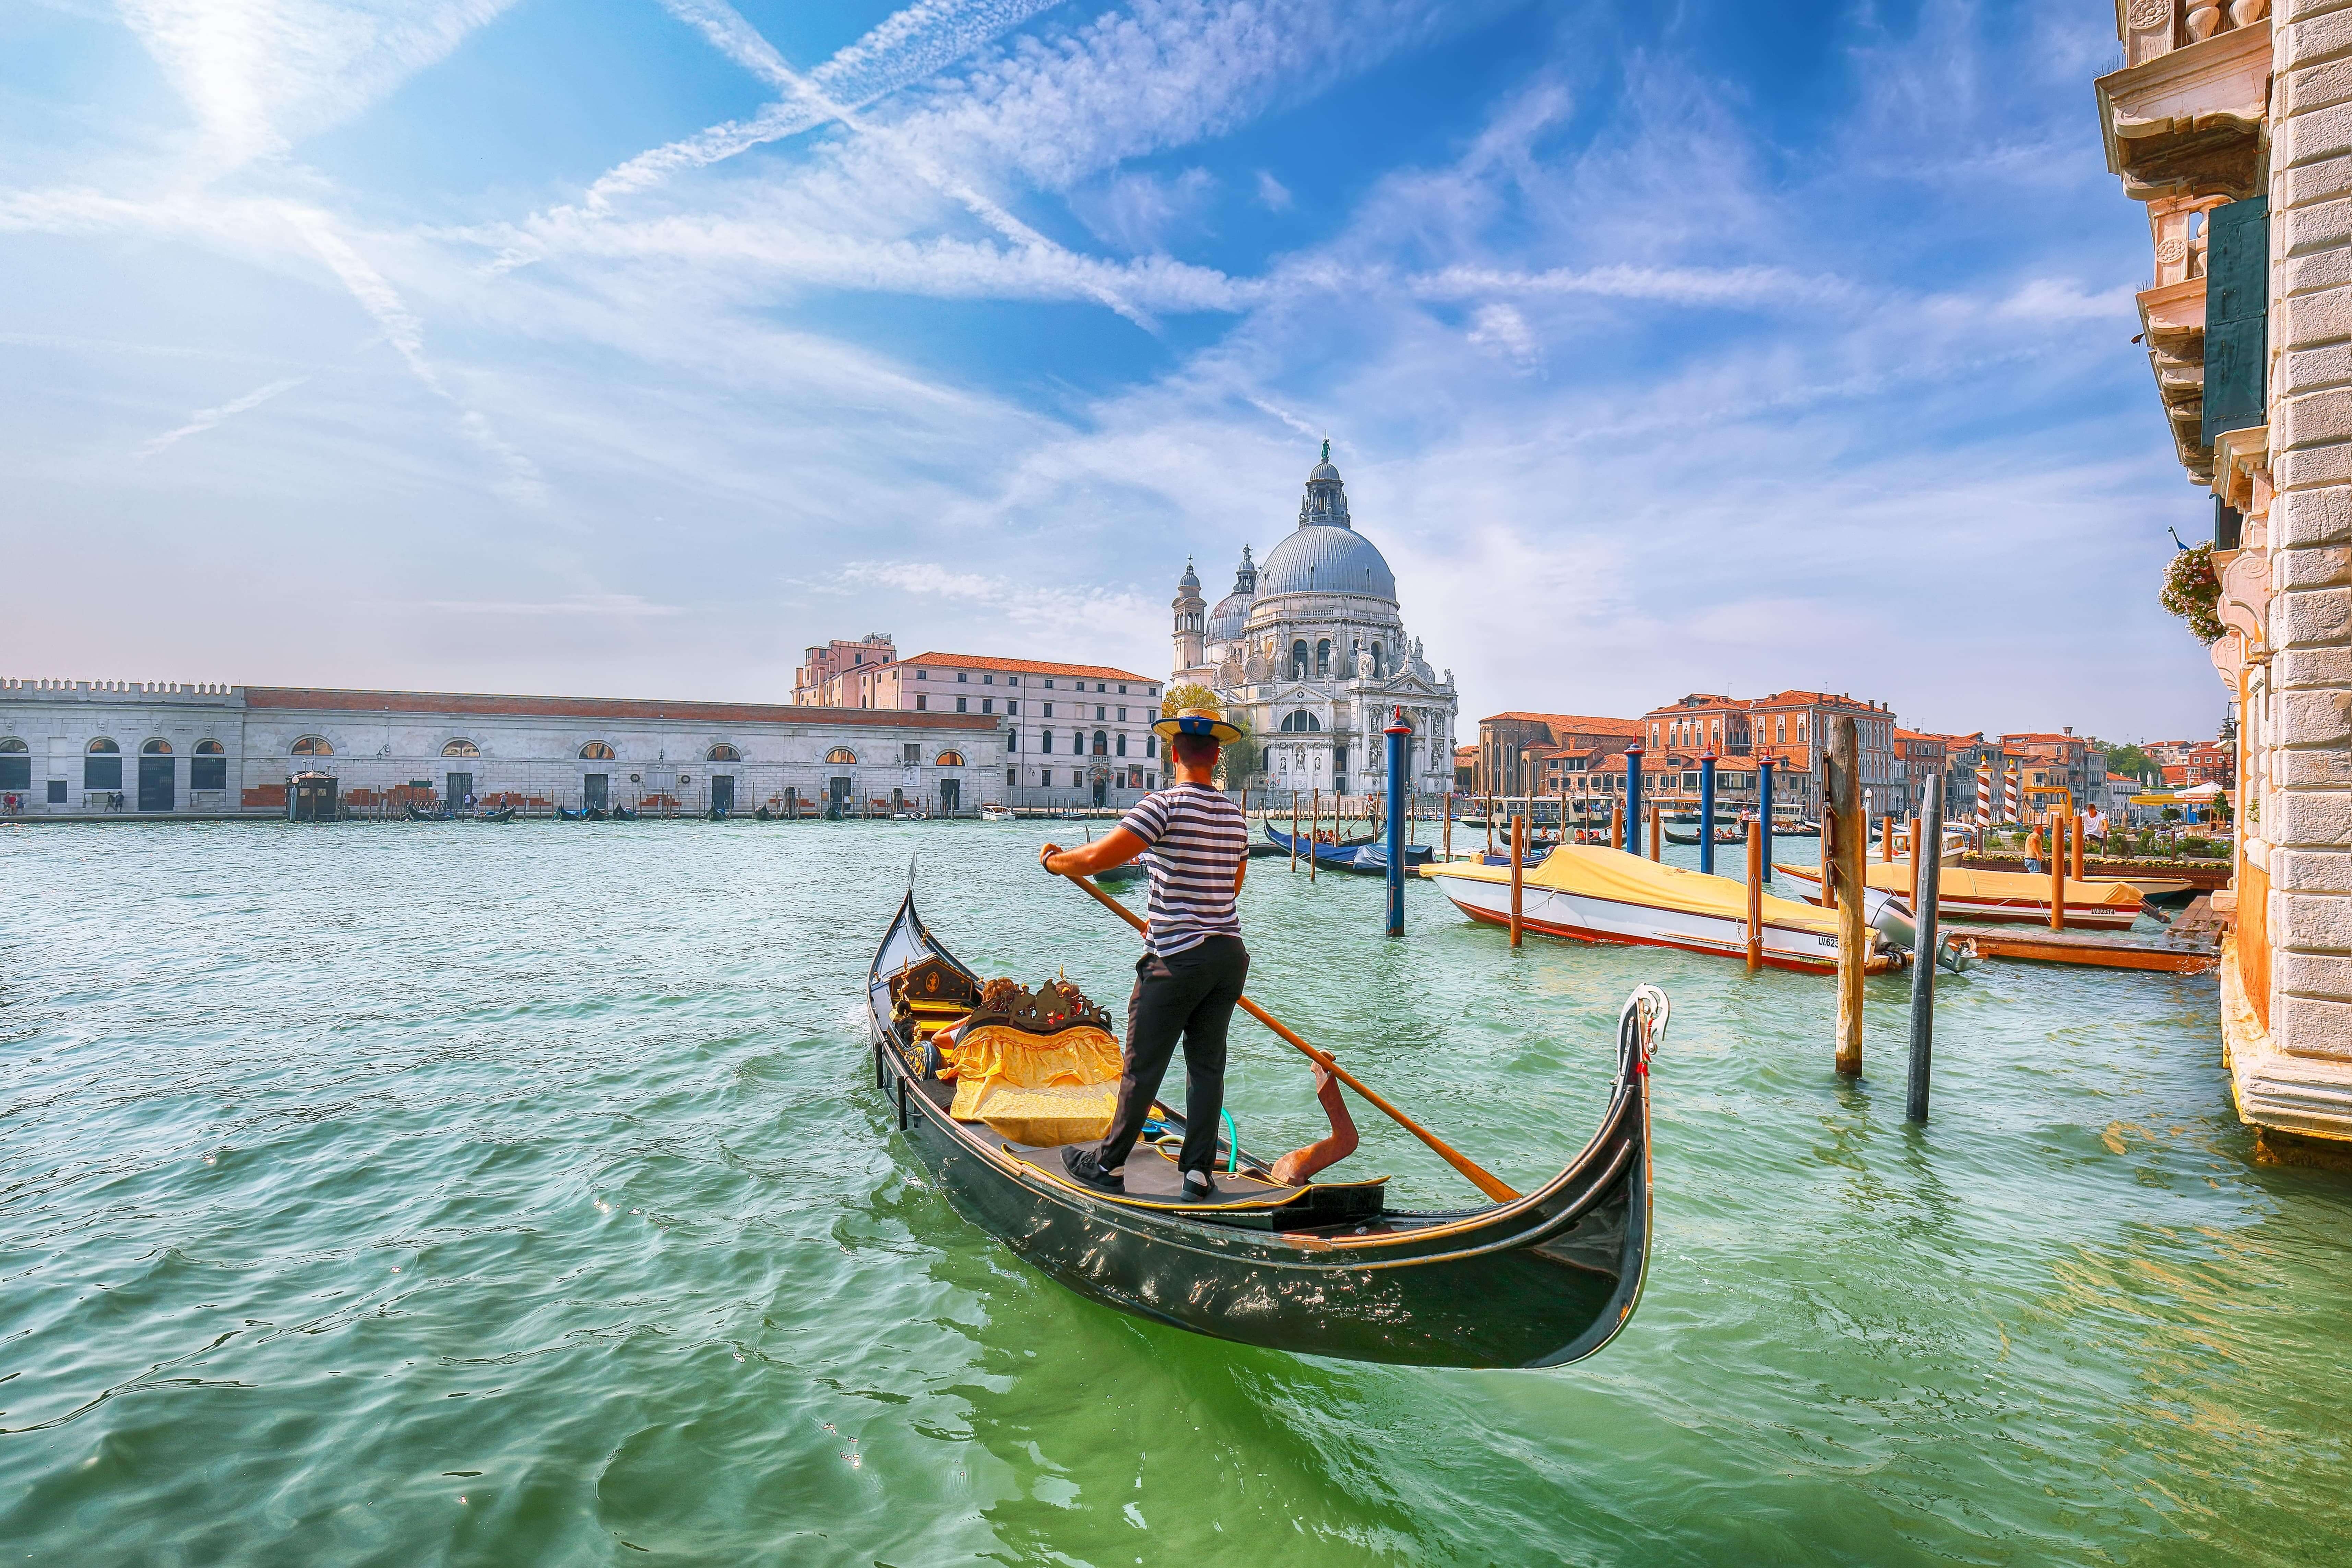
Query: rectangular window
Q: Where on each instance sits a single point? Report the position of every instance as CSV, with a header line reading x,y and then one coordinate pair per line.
x,y
963,704
101,773
988,680
1049,707
1122,691
1012,681
1098,712
1151,781
961,676
203,773
1122,712
922,675
1012,705
922,703
988,704
1076,778
56,791
16,771
1098,686
1049,683
1012,776
911,754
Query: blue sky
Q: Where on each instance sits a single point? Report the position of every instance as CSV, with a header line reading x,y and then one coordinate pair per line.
x,y
628,347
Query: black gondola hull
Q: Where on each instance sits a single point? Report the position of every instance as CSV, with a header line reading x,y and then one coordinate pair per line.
x,y
1546,1280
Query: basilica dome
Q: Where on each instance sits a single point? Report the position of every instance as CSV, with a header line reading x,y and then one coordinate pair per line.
x,y
1319,558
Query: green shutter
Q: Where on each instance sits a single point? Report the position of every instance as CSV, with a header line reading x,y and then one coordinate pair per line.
x,y
2237,298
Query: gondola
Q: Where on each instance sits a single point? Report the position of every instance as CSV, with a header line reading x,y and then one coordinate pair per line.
x,y
623,814
563,816
1722,835
416,815
504,813
1340,856
1328,1268
1372,859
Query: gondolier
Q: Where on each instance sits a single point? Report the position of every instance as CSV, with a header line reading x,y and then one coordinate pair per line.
x,y
1193,964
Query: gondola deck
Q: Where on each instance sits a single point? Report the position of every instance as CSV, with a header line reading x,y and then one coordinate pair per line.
x,y
1546,1277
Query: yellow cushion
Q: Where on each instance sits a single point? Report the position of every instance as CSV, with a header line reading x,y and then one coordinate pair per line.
x,y
1039,1089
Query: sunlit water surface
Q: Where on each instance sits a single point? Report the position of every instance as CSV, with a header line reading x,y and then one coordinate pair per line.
x,y
448,1192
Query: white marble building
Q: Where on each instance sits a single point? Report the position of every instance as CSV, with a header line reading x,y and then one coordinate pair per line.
x,y
161,750
1311,648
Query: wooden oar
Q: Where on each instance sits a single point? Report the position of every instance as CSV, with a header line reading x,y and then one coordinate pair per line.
x,y
1479,1177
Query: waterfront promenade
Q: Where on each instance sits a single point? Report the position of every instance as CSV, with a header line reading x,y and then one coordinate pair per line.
x,y
404,1195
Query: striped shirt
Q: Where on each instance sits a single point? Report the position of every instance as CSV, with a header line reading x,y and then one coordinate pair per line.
x,y
1198,839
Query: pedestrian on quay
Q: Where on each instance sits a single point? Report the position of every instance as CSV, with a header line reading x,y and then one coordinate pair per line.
x,y
2034,850
1190,977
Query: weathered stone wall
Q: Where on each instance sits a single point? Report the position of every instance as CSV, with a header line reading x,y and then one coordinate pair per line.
x,y
524,754
2304,717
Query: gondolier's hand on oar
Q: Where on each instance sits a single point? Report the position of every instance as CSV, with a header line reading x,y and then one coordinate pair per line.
x,y
1116,848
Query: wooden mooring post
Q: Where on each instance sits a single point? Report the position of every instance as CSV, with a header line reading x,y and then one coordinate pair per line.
x,y
1657,825
1518,870
1616,827
1314,829
1844,819
2057,871
1926,878
1294,830
2075,829
1755,897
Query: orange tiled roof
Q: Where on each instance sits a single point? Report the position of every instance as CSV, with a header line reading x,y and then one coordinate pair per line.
x,y
1576,723
1029,666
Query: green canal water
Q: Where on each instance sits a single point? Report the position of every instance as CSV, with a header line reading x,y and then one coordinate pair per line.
x,y
453,1193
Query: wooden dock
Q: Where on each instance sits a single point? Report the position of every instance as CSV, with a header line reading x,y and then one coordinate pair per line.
x,y
2192,946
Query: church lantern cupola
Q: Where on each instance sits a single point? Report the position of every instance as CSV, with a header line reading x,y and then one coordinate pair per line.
x,y
1191,618
1326,501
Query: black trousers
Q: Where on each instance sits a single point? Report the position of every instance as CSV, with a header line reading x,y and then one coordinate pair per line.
x,y
1187,996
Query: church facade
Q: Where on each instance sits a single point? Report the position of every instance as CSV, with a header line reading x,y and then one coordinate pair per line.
x,y
1310,648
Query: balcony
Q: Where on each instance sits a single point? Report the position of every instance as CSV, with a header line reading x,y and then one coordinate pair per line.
x,y
2184,118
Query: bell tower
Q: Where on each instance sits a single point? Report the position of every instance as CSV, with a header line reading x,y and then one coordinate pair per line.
x,y
1191,620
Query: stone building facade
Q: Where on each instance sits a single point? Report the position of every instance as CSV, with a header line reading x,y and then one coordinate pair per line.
x,y
72,748
840,674
1311,648
2234,127
1520,752
1074,734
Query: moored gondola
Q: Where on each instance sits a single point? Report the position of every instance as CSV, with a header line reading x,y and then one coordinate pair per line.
x,y
1327,1268
504,813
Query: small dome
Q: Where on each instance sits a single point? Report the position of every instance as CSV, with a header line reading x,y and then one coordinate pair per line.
x,y
1191,579
1322,470
1232,614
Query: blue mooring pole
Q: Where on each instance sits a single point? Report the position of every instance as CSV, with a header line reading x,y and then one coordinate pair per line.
x,y
1707,814
1632,800
1764,809
1397,733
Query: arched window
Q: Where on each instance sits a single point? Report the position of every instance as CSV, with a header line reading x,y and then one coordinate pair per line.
x,y
841,756
949,760
208,769
15,764
101,768
1300,721
313,746
461,749
1102,743
723,752
595,751
1377,669
1298,659
1122,743
1322,658
155,749
102,747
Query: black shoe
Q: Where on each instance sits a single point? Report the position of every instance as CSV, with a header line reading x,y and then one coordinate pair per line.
x,y
1198,1188
1088,1171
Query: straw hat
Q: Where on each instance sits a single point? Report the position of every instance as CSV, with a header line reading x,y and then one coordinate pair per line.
x,y
1199,722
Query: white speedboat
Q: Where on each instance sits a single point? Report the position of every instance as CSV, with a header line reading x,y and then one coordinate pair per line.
x,y
992,812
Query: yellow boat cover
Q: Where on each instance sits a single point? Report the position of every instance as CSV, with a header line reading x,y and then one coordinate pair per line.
x,y
1595,871
1894,877
1039,1089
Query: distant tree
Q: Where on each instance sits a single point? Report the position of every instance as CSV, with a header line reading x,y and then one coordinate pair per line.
x,y
2129,761
1188,694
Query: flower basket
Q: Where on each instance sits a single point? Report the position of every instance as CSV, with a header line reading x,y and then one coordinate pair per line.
x,y
2193,592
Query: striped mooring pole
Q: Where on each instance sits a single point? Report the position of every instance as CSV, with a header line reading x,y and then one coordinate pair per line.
x,y
1397,733
1707,813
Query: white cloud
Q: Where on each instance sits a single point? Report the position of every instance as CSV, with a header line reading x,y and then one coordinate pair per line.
x,y
1503,330
204,419
1140,212
1272,194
